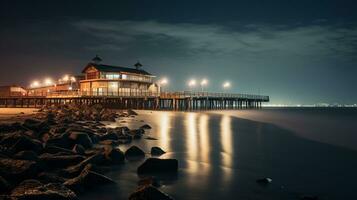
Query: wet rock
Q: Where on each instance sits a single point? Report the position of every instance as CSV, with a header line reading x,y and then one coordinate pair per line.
x,y
4,185
102,130
156,165
87,179
33,189
55,150
134,151
61,141
9,128
16,142
150,138
114,156
145,126
17,170
81,138
149,192
264,181
75,170
110,142
46,177
79,149
157,151
149,181
36,125
132,112
26,155
309,197
57,161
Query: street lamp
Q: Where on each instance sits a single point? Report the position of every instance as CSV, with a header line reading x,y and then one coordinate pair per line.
x,y
35,84
48,81
163,82
192,83
226,85
203,83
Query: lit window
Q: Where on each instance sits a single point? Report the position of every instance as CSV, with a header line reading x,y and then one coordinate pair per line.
x,y
124,76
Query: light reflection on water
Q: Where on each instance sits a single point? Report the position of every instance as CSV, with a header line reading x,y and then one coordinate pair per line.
x,y
164,121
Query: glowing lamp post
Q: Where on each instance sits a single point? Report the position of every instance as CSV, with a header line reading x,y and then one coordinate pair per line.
x,y
35,84
226,85
48,82
163,82
203,83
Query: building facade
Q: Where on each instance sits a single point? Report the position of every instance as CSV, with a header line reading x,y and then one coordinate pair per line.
x,y
12,91
108,80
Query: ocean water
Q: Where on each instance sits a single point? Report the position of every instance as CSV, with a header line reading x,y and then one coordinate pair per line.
x,y
222,153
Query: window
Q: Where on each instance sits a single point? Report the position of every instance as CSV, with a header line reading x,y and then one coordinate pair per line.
x,y
124,76
91,75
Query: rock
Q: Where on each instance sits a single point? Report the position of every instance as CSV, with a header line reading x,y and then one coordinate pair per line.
x,y
309,197
132,112
150,138
264,181
10,128
81,138
75,170
102,130
4,185
55,150
149,192
26,155
57,160
157,151
134,151
16,142
109,136
149,181
79,149
36,125
145,126
114,156
154,165
110,142
61,141
33,189
46,177
87,179
17,170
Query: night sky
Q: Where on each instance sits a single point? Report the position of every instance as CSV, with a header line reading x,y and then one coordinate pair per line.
x,y
298,52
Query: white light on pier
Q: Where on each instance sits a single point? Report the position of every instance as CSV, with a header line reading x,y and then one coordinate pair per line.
x,y
226,84
35,84
48,81
163,81
204,82
65,78
192,83
73,79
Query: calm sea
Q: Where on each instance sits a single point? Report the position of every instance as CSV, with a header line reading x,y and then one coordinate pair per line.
x,y
221,154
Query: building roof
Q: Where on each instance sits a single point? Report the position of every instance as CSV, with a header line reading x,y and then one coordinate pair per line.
x,y
111,68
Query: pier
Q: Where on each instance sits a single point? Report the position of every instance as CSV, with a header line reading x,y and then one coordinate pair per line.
x,y
180,101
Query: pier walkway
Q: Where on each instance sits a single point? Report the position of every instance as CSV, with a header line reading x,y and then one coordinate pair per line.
x,y
185,100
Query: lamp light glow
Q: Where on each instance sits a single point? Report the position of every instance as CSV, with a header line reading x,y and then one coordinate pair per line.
x,y
192,83
226,84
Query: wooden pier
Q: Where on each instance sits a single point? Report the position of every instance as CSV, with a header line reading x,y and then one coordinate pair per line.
x,y
183,101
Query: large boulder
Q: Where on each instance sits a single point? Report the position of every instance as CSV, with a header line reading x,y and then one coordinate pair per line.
x,y
156,165
114,156
157,151
134,151
26,155
58,161
37,125
4,185
87,179
15,142
17,170
9,128
32,189
75,170
79,149
149,192
81,138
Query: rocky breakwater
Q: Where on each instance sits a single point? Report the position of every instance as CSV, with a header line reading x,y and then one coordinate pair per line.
x,y
62,151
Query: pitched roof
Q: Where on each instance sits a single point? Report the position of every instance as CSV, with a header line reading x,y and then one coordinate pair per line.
x,y
111,68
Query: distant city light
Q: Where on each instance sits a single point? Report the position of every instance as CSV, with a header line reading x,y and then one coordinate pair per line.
x,y
226,84
192,83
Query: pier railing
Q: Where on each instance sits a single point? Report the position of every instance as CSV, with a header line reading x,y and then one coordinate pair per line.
x,y
191,94
146,94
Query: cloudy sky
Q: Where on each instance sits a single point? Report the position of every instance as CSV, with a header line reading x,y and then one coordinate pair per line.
x,y
298,52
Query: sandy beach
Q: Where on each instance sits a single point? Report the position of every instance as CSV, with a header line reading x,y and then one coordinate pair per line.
x,y
10,115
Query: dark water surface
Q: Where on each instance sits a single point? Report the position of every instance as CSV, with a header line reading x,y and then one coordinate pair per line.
x,y
221,156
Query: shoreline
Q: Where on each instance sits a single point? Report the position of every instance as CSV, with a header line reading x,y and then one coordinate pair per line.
x,y
61,152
